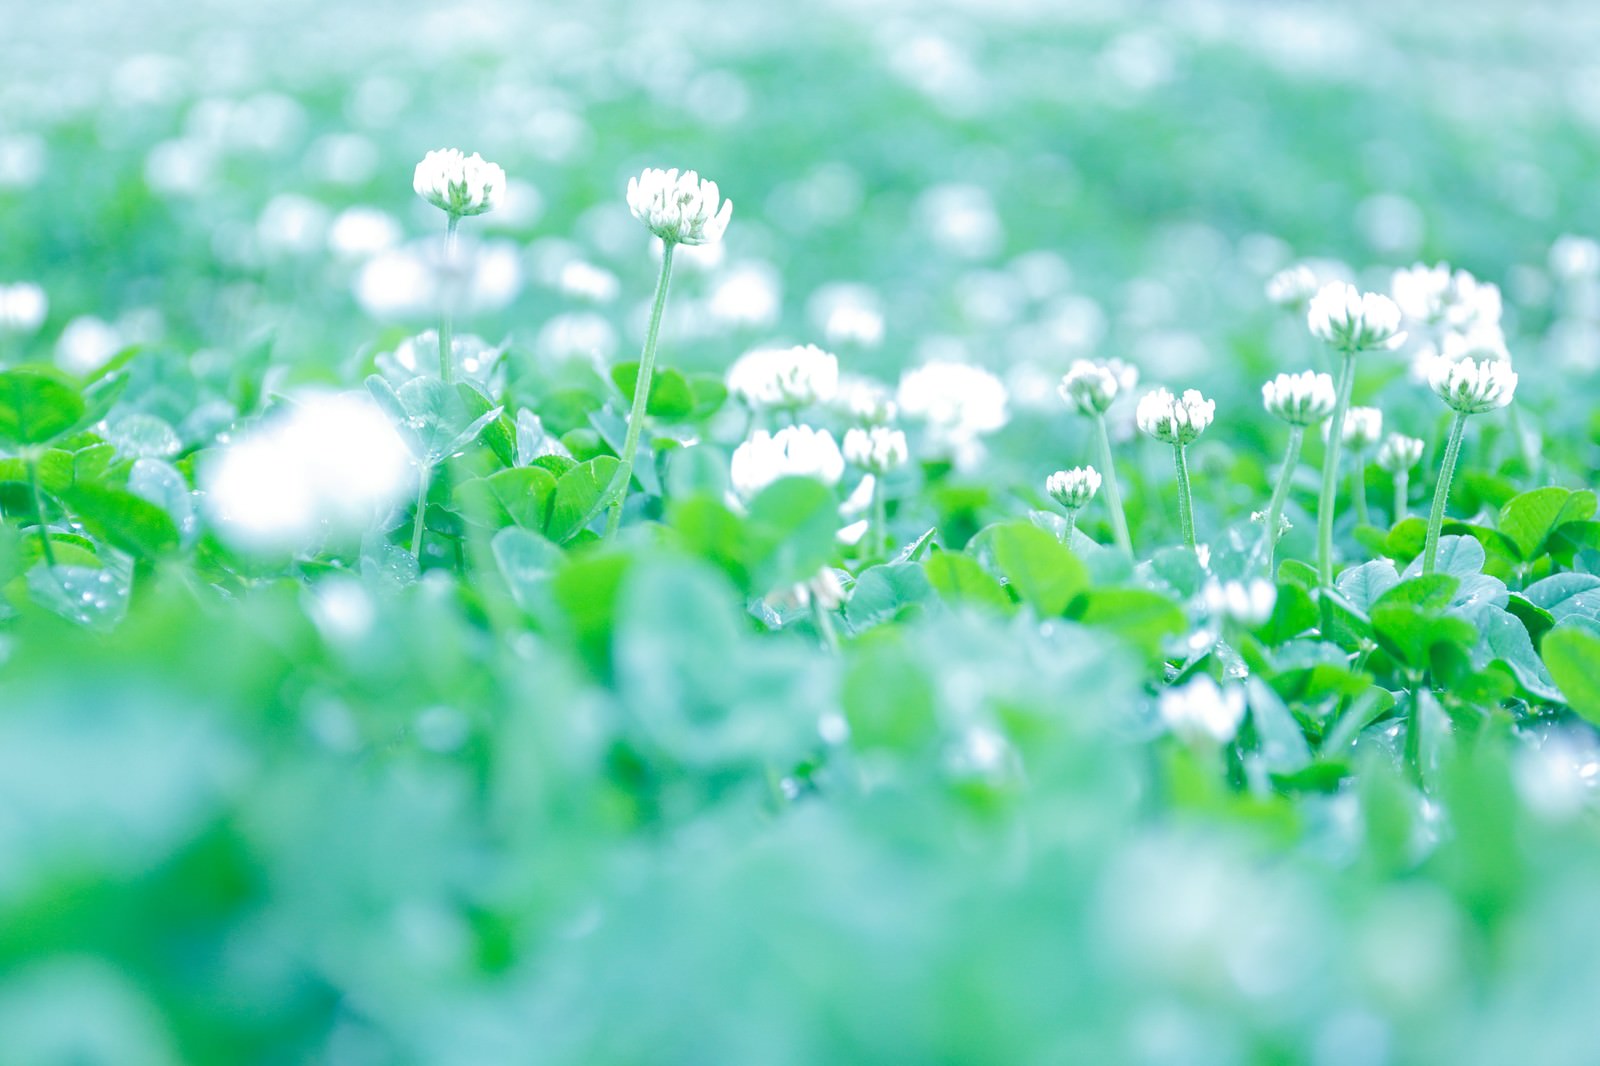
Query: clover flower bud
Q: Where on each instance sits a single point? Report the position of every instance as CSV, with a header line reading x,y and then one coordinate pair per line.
x,y
1293,287
1089,387
1249,603
1399,453
1173,419
23,307
1472,386
1073,489
1363,427
878,449
794,451
1352,321
458,184
785,377
1302,399
1202,710
680,208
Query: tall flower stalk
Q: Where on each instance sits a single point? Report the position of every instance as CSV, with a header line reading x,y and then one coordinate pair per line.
x,y
1396,456
680,209
878,450
1090,388
1468,387
460,186
1350,322
1178,420
1301,400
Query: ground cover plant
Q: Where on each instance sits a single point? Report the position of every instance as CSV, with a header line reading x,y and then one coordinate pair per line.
x,y
1059,534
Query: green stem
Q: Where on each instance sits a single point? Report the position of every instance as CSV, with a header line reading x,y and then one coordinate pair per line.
x,y
1280,492
880,518
1108,471
1358,489
1072,524
45,547
419,522
824,624
1402,491
1185,498
447,370
641,394
1330,471
1441,493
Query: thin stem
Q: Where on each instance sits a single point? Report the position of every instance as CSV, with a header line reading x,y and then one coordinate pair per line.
x,y
641,394
1402,492
1280,492
447,369
420,521
1185,499
1441,493
1108,471
45,547
1072,524
1330,471
1358,488
880,517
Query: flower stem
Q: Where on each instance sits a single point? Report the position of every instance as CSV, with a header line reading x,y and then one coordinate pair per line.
x,y
1180,461
1330,471
1280,492
419,522
1072,524
824,623
1358,489
880,518
1441,493
1402,491
38,511
447,370
1119,520
641,393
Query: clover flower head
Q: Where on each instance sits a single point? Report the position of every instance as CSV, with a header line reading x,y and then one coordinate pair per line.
x,y
1249,603
1438,296
866,400
878,449
1399,453
680,208
1202,710
1175,419
1472,386
958,401
785,378
1352,321
1363,427
794,451
1073,489
459,184
1089,387
23,307
1302,399
1292,287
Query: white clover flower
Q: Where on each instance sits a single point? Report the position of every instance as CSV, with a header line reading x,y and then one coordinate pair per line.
x,y
866,400
679,208
825,588
1292,287
785,377
1302,399
1260,519
1472,386
879,449
23,307
1436,296
1249,603
795,451
1073,489
1363,427
1399,453
958,401
330,462
458,184
1352,321
1174,419
1089,387
1203,711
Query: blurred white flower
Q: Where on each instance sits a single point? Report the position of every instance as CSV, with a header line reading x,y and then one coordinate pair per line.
x,y
1073,489
795,451
1089,387
292,224
680,208
584,280
86,344
1399,453
1573,257
1557,777
1173,419
749,294
1302,399
1471,386
1352,321
962,220
459,184
22,160
361,232
879,449
958,401
866,399
847,314
1249,603
1292,287
785,377
1363,427
1438,296
23,307
825,588
1202,711
330,463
